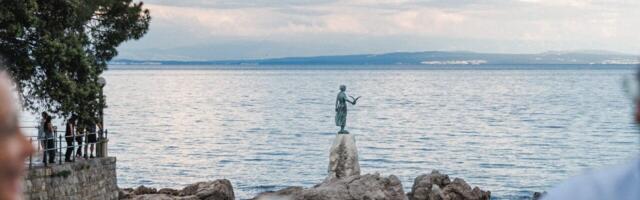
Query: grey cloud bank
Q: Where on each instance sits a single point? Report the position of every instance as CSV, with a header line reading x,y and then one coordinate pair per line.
x,y
214,30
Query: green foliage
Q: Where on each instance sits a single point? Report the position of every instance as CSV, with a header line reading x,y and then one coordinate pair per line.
x,y
57,49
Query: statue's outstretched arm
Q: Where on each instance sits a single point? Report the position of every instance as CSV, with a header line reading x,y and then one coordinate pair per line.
x,y
353,100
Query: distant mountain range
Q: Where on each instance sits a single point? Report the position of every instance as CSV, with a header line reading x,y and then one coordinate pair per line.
x,y
420,58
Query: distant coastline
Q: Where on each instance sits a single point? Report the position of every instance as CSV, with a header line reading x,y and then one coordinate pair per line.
x,y
380,67
428,58
376,67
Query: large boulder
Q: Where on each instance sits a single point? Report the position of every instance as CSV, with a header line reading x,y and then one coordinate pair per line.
x,y
458,189
427,186
343,158
437,186
169,191
211,190
140,190
357,187
216,190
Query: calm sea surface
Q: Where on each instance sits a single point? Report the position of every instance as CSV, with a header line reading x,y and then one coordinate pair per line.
x,y
512,130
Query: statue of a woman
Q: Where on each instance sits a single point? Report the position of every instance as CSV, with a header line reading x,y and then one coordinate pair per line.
x,y
341,108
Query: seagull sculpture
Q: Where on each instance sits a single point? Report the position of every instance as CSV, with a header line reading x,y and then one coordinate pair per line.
x,y
354,100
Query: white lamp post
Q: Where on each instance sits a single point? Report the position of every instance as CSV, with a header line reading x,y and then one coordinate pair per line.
x,y
102,145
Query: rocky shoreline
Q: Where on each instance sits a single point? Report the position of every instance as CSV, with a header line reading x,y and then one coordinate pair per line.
x,y
432,186
343,182
213,190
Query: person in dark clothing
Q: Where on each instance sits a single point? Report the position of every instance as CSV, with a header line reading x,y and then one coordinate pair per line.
x,y
50,144
69,136
91,138
79,137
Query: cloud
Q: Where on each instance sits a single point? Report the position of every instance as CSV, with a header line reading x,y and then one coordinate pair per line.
x,y
330,19
519,25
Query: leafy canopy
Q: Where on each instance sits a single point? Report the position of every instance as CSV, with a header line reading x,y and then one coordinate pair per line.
x,y
57,49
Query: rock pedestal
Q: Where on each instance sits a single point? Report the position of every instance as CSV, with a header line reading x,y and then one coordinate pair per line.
x,y
343,158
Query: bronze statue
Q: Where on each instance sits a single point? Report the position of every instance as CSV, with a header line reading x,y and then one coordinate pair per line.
x,y
341,108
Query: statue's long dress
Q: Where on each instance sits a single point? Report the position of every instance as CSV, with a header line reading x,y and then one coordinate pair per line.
x,y
341,115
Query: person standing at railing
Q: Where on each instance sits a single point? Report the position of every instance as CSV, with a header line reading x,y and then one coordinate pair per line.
x,y
90,129
79,128
68,135
41,137
49,151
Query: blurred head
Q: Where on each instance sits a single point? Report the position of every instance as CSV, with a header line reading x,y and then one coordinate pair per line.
x,y
343,88
14,146
73,118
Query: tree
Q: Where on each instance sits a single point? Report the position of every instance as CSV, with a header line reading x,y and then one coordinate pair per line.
x,y
57,49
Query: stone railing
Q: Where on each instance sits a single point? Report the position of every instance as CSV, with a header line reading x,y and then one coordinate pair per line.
x,y
83,179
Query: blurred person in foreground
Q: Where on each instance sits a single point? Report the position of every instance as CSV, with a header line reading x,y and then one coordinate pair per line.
x,y
15,148
621,182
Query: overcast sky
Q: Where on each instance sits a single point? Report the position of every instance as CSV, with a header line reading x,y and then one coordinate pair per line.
x,y
240,29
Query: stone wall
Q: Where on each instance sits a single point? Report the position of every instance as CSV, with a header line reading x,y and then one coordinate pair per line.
x,y
89,179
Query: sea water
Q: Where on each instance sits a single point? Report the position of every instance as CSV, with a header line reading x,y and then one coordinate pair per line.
x,y
513,130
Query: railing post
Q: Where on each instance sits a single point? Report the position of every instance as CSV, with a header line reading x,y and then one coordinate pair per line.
x,y
99,144
73,144
60,149
86,144
105,144
44,151
31,156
